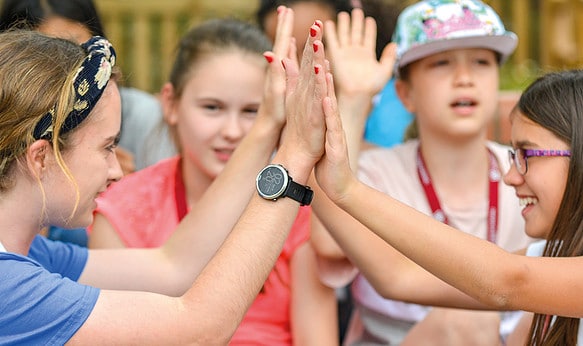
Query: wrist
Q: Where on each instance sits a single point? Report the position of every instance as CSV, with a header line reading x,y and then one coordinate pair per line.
x,y
268,127
298,167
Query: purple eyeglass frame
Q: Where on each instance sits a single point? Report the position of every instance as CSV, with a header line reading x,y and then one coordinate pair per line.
x,y
537,153
545,152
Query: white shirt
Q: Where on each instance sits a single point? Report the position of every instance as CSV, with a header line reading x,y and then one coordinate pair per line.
x,y
536,250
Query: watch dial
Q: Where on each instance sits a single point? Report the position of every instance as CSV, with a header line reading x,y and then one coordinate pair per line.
x,y
272,182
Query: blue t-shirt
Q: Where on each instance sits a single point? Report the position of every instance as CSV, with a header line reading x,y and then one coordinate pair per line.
x,y
41,302
388,119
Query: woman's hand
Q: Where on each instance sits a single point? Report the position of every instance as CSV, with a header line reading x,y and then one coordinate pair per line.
x,y
306,90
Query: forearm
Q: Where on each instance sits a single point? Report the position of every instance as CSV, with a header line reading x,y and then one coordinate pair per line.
x,y
314,313
388,271
231,280
435,246
455,327
206,226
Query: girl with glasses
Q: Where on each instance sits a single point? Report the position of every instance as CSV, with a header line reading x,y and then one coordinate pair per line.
x,y
547,138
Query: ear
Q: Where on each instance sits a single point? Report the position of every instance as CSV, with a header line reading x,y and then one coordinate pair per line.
x,y
403,90
168,101
37,156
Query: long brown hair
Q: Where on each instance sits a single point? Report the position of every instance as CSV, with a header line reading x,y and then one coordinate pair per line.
x,y
555,102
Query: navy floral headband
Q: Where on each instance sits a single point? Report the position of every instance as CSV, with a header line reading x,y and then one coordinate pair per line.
x,y
90,81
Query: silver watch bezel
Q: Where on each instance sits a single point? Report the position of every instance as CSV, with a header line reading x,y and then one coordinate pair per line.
x,y
278,193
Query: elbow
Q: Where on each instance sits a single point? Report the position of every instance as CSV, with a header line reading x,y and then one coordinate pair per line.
x,y
504,291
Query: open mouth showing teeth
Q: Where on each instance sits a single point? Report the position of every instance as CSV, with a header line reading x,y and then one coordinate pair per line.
x,y
465,103
527,201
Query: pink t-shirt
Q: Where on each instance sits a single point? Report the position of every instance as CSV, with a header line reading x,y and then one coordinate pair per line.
x,y
144,209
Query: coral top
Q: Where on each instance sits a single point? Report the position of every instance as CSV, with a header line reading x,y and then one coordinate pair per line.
x,y
146,206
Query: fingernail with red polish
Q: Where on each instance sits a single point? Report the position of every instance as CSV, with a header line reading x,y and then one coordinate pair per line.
x,y
317,24
269,58
313,32
317,69
315,47
283,64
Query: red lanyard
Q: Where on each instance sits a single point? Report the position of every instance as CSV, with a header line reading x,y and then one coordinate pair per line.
x,y
180,193
437,212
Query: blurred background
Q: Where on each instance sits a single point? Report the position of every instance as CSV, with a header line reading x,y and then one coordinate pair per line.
x,y
145,32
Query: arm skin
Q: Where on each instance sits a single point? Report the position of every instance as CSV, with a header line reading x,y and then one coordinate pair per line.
x,y
313,308
455,327
211,309
172,268
496,279
351,48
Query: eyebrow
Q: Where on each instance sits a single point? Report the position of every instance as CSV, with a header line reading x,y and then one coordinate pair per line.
x,y
524,143
115,138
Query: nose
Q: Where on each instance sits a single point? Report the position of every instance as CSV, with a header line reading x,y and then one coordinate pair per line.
x,y
233,127
513,177
115,172
463,74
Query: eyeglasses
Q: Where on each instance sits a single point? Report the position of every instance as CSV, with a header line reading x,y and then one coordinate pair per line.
x,y
519,156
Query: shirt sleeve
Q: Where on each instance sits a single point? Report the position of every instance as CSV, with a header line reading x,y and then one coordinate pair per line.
x,y
39,307
536,249
67,259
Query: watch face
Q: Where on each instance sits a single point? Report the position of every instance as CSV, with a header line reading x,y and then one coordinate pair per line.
x,y
272,181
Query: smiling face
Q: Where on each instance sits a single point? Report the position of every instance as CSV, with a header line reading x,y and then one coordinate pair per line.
x,y
542,188
92,162
453,93
217,108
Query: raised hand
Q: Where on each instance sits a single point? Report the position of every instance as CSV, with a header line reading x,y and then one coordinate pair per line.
x,y
351,48
306,89
284,47
333,172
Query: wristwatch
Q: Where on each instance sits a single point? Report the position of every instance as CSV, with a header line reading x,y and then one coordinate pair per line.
x,y
274,182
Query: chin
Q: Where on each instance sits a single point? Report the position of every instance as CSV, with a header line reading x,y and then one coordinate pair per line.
x,y
536,234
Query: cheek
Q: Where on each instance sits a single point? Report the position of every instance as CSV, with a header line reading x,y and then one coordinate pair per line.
x,y
194,127
247,123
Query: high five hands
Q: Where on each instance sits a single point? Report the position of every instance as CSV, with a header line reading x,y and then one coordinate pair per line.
x,y
313,133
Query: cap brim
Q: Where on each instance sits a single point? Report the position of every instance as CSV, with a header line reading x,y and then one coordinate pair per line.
x,y
503,44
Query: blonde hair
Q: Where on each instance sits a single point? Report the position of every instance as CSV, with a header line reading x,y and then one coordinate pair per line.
x,y
36,76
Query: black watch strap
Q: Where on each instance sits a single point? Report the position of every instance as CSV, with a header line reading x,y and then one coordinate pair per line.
x,y
300,193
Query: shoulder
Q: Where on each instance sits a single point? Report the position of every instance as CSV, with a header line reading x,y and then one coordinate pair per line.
x,y
68,260
40,307
380,163
403,151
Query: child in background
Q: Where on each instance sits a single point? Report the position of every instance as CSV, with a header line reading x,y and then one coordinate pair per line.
x,y
448,58
210,103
